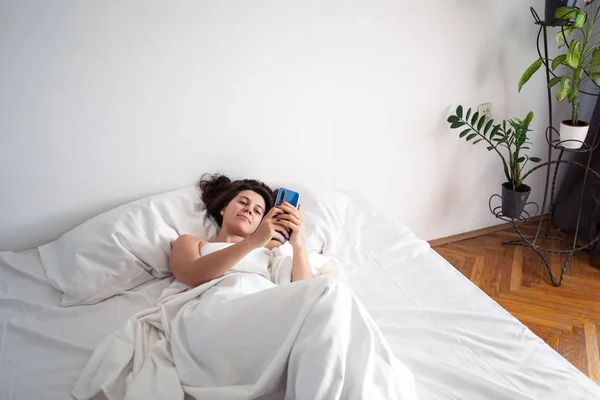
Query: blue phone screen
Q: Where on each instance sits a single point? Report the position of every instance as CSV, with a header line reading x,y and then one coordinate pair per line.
x,y
288,195
291,197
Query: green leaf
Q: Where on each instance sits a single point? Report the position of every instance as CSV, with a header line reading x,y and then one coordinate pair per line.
x,y
553,82
524,148
573,94
558,60
457,125
596,79
521,159
488,126
562,35
477,141
529,72
481,122
453,118
528,119
490,148
463,133
564,88
475,118
574,54
535,159
494,131
595,64
459,112
471,136
468,114
580,18
565,13
578,74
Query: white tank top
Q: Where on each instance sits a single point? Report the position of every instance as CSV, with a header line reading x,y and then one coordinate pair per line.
x,y
254,276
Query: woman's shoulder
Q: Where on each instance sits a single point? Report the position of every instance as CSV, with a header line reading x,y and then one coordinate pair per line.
x,y
187,240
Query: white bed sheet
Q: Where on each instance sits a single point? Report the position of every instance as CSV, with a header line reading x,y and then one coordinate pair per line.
x,y
43,345
458,342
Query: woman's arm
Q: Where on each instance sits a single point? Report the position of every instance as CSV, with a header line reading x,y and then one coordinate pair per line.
x,y
189,267
294,221
300,266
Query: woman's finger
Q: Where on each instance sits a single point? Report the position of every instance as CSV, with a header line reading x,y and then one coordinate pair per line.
x,y
279,236
289,225
279,226
272,212
288,217
287,207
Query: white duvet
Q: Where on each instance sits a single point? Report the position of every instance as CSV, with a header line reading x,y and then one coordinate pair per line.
x,y
243,337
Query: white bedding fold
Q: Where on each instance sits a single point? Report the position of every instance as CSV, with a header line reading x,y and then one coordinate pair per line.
x,y
310,340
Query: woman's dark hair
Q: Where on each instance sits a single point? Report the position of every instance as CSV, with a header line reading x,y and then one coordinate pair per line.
x,y
218,190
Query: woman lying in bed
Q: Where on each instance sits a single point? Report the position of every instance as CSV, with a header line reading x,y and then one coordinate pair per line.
x,y
244,337
248,221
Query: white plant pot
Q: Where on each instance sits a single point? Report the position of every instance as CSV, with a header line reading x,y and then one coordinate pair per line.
x,y
570,132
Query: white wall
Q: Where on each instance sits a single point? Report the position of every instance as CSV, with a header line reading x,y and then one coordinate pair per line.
x,y
106,102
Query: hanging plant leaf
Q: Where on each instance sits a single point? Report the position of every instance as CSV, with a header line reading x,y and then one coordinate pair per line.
x,y
564,89
477,141
595,78
578,74
459,112
553,82
481,122
490,148
457,125
468,114
494,131
580,18
463,133
529,72
521,159
558,61
574,54
565,13
471,136
535,159
453,118
488,126
595,63
563,35
475,118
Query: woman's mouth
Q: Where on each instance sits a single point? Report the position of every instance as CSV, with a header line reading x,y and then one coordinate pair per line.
x,y
246,218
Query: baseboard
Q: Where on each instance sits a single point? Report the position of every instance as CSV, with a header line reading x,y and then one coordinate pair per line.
x,y
476,233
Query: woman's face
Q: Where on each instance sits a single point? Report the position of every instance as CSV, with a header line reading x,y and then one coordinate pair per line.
x,y
244,213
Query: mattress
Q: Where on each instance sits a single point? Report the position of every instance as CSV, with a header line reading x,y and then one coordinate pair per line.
x,y
458,342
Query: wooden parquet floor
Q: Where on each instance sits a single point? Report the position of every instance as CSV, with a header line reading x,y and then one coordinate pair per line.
x,y
567,317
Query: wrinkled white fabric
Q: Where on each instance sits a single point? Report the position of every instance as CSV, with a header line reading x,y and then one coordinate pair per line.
x,y
242,337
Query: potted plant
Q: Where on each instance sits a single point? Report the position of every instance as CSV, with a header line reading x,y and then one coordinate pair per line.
x,y
510,138
579,63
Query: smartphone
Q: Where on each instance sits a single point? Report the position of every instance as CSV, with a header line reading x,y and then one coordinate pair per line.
x,y
291,197
287,195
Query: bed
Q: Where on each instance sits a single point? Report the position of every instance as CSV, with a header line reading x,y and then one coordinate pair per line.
x,y
458,342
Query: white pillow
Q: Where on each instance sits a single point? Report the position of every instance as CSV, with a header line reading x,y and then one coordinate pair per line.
x,y
124,247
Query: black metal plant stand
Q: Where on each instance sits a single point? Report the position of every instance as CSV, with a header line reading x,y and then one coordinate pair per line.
x,y
553,144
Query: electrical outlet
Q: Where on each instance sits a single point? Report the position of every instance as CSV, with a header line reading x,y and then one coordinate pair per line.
x,y
485,109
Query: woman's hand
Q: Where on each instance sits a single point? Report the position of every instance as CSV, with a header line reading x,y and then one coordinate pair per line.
x,y
268,229
293,221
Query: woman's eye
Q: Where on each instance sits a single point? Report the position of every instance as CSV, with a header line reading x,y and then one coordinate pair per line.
x,y
257,211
